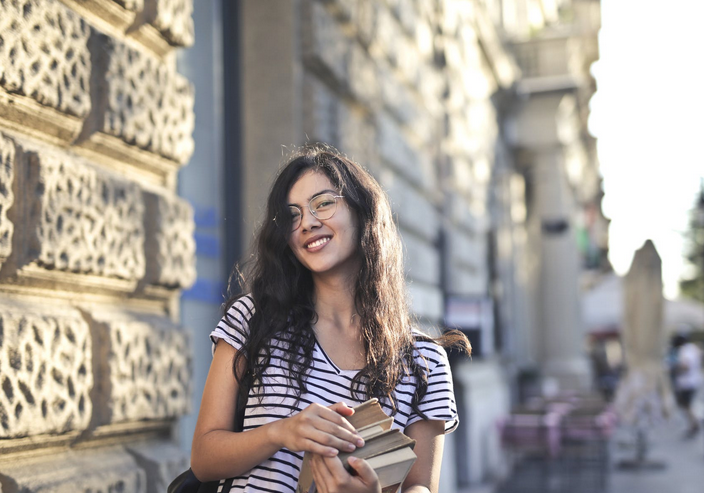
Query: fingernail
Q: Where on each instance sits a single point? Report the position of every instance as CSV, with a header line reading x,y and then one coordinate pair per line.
x,y
351,447
360,442
332,451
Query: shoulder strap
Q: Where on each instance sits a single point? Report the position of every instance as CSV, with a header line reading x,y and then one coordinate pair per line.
x,y
242,397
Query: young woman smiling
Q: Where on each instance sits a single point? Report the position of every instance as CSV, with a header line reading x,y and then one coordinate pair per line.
x,y
325,326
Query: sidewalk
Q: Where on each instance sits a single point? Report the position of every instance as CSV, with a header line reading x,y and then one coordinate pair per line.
x,y
683,459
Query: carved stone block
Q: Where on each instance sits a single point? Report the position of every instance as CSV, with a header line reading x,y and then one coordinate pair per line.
x,y
94,471
324,43
364,85
141,102
173,19
396,96
365,20
45,370
320,120
170,247
78,219
388,32
44,59
415,212
132,5
44,54
426,301
356,137
7,175
163,24
110,16
161,461
142,368
422,260
395,149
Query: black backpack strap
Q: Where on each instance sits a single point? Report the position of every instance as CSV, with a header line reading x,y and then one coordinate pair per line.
x,y
186,482
242,397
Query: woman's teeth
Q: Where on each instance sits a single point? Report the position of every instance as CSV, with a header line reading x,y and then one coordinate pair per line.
x,y
317,243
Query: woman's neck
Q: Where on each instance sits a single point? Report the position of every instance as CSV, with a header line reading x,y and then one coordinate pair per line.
x,y
337,328
334,302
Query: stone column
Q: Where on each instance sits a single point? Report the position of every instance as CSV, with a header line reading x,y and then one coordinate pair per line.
x,y
559,326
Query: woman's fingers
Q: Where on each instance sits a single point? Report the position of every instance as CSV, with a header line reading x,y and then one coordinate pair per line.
x,y
334,416
322,476
364,471
331,476
340,437
342,409
319,449
318,429
339,429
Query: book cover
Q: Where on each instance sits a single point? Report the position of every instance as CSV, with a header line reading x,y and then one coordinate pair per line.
x,y
388,450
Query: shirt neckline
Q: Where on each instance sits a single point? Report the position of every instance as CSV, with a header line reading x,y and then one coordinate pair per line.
x,y
337,369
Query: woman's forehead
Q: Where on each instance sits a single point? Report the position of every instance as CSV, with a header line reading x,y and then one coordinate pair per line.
x,y
309,184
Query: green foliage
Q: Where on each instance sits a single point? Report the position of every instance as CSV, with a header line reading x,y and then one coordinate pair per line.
x,y
692,282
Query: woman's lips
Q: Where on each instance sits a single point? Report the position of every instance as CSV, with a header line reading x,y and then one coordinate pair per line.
x,y
317,244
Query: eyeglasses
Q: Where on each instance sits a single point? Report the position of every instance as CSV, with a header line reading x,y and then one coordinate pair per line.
x,y
322,207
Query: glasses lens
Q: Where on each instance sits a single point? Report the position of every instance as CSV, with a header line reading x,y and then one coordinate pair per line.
x,y
324,206
295,217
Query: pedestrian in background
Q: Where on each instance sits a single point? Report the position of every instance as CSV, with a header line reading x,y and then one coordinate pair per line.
x,y
688,378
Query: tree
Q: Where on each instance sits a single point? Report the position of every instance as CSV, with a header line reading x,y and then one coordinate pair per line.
x,y
692,282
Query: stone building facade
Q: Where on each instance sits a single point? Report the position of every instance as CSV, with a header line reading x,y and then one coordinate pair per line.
x,y
95,123
104,332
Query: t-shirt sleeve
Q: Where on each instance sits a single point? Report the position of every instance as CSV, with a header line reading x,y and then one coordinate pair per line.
x,y
233,327
439,401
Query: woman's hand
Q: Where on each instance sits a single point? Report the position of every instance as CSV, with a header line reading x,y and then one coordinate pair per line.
x,y
318,429
330,476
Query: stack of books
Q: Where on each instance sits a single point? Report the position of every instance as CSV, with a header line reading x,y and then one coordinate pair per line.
x,y
388,451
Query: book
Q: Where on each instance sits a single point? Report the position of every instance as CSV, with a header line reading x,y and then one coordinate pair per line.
x,y
387,450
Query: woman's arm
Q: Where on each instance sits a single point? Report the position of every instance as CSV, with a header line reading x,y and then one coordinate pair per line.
x,y
424,476
218,452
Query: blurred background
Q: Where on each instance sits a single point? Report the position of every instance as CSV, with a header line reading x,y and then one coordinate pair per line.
x,y
529,148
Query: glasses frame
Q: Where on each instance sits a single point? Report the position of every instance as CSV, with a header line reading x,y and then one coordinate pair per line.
x,y
313,213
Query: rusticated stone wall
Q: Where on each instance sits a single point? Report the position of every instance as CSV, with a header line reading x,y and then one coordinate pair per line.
x,y
95,244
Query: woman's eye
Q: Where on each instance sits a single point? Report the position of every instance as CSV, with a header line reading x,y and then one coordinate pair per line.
x,y
294,213
324,204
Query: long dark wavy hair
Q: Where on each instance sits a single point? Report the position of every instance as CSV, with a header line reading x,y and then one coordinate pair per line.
x,y
283,292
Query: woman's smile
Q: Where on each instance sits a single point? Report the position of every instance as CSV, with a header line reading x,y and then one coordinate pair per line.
x,y
316,244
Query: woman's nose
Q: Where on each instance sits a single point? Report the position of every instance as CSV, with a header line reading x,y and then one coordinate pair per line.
x,y
308,220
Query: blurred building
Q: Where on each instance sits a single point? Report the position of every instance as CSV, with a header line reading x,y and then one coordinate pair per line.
x,y
472,114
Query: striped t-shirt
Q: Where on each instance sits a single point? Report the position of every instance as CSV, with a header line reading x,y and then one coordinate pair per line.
x,y
326,385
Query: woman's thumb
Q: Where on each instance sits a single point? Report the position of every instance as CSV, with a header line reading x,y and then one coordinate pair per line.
x,y
363,470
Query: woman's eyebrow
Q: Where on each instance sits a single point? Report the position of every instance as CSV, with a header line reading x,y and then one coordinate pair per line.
x,y
327,190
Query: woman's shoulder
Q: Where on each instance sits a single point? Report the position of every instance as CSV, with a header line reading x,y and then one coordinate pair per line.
x,y
234,324
426,348
240,309
238,313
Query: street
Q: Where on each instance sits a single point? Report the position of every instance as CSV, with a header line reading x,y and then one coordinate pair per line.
x,y
683,462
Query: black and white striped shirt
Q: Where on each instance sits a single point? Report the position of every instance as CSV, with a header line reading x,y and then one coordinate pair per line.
x,y
327,384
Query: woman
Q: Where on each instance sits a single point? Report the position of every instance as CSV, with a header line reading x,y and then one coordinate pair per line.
x,y
325,327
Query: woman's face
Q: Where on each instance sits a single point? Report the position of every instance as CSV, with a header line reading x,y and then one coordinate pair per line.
x,y
323,246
